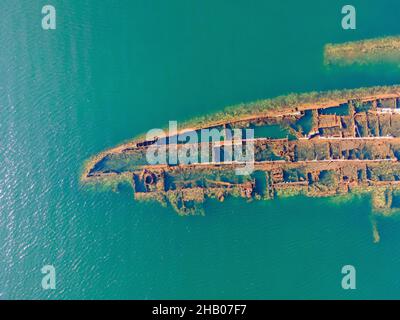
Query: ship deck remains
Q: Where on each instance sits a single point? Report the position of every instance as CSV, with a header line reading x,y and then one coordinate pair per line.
x,y
337,147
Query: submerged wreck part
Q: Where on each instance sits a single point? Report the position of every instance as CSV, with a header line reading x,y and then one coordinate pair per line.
x,y
184,189
340,143
375,232
185,186
386,49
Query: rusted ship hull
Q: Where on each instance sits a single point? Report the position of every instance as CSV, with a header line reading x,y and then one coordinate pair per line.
x,y
338,143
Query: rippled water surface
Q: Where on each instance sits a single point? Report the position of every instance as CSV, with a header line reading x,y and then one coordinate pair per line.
x,y
114,69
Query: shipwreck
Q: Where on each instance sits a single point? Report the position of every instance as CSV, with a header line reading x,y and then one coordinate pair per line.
x,y
333,143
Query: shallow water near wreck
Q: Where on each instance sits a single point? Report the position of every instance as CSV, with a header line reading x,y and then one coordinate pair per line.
x,y
113,70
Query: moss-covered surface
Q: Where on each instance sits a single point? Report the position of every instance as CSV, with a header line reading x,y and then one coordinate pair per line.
x,y
378,50
287,103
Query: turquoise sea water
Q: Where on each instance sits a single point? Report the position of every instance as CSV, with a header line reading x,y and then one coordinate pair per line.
x,y
114,69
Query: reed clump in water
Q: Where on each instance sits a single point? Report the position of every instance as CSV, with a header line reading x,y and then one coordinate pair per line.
x,y
378,50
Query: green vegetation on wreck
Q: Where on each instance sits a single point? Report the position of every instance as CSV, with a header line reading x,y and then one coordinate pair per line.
x,y
287,102
282,103
378,50
256,109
